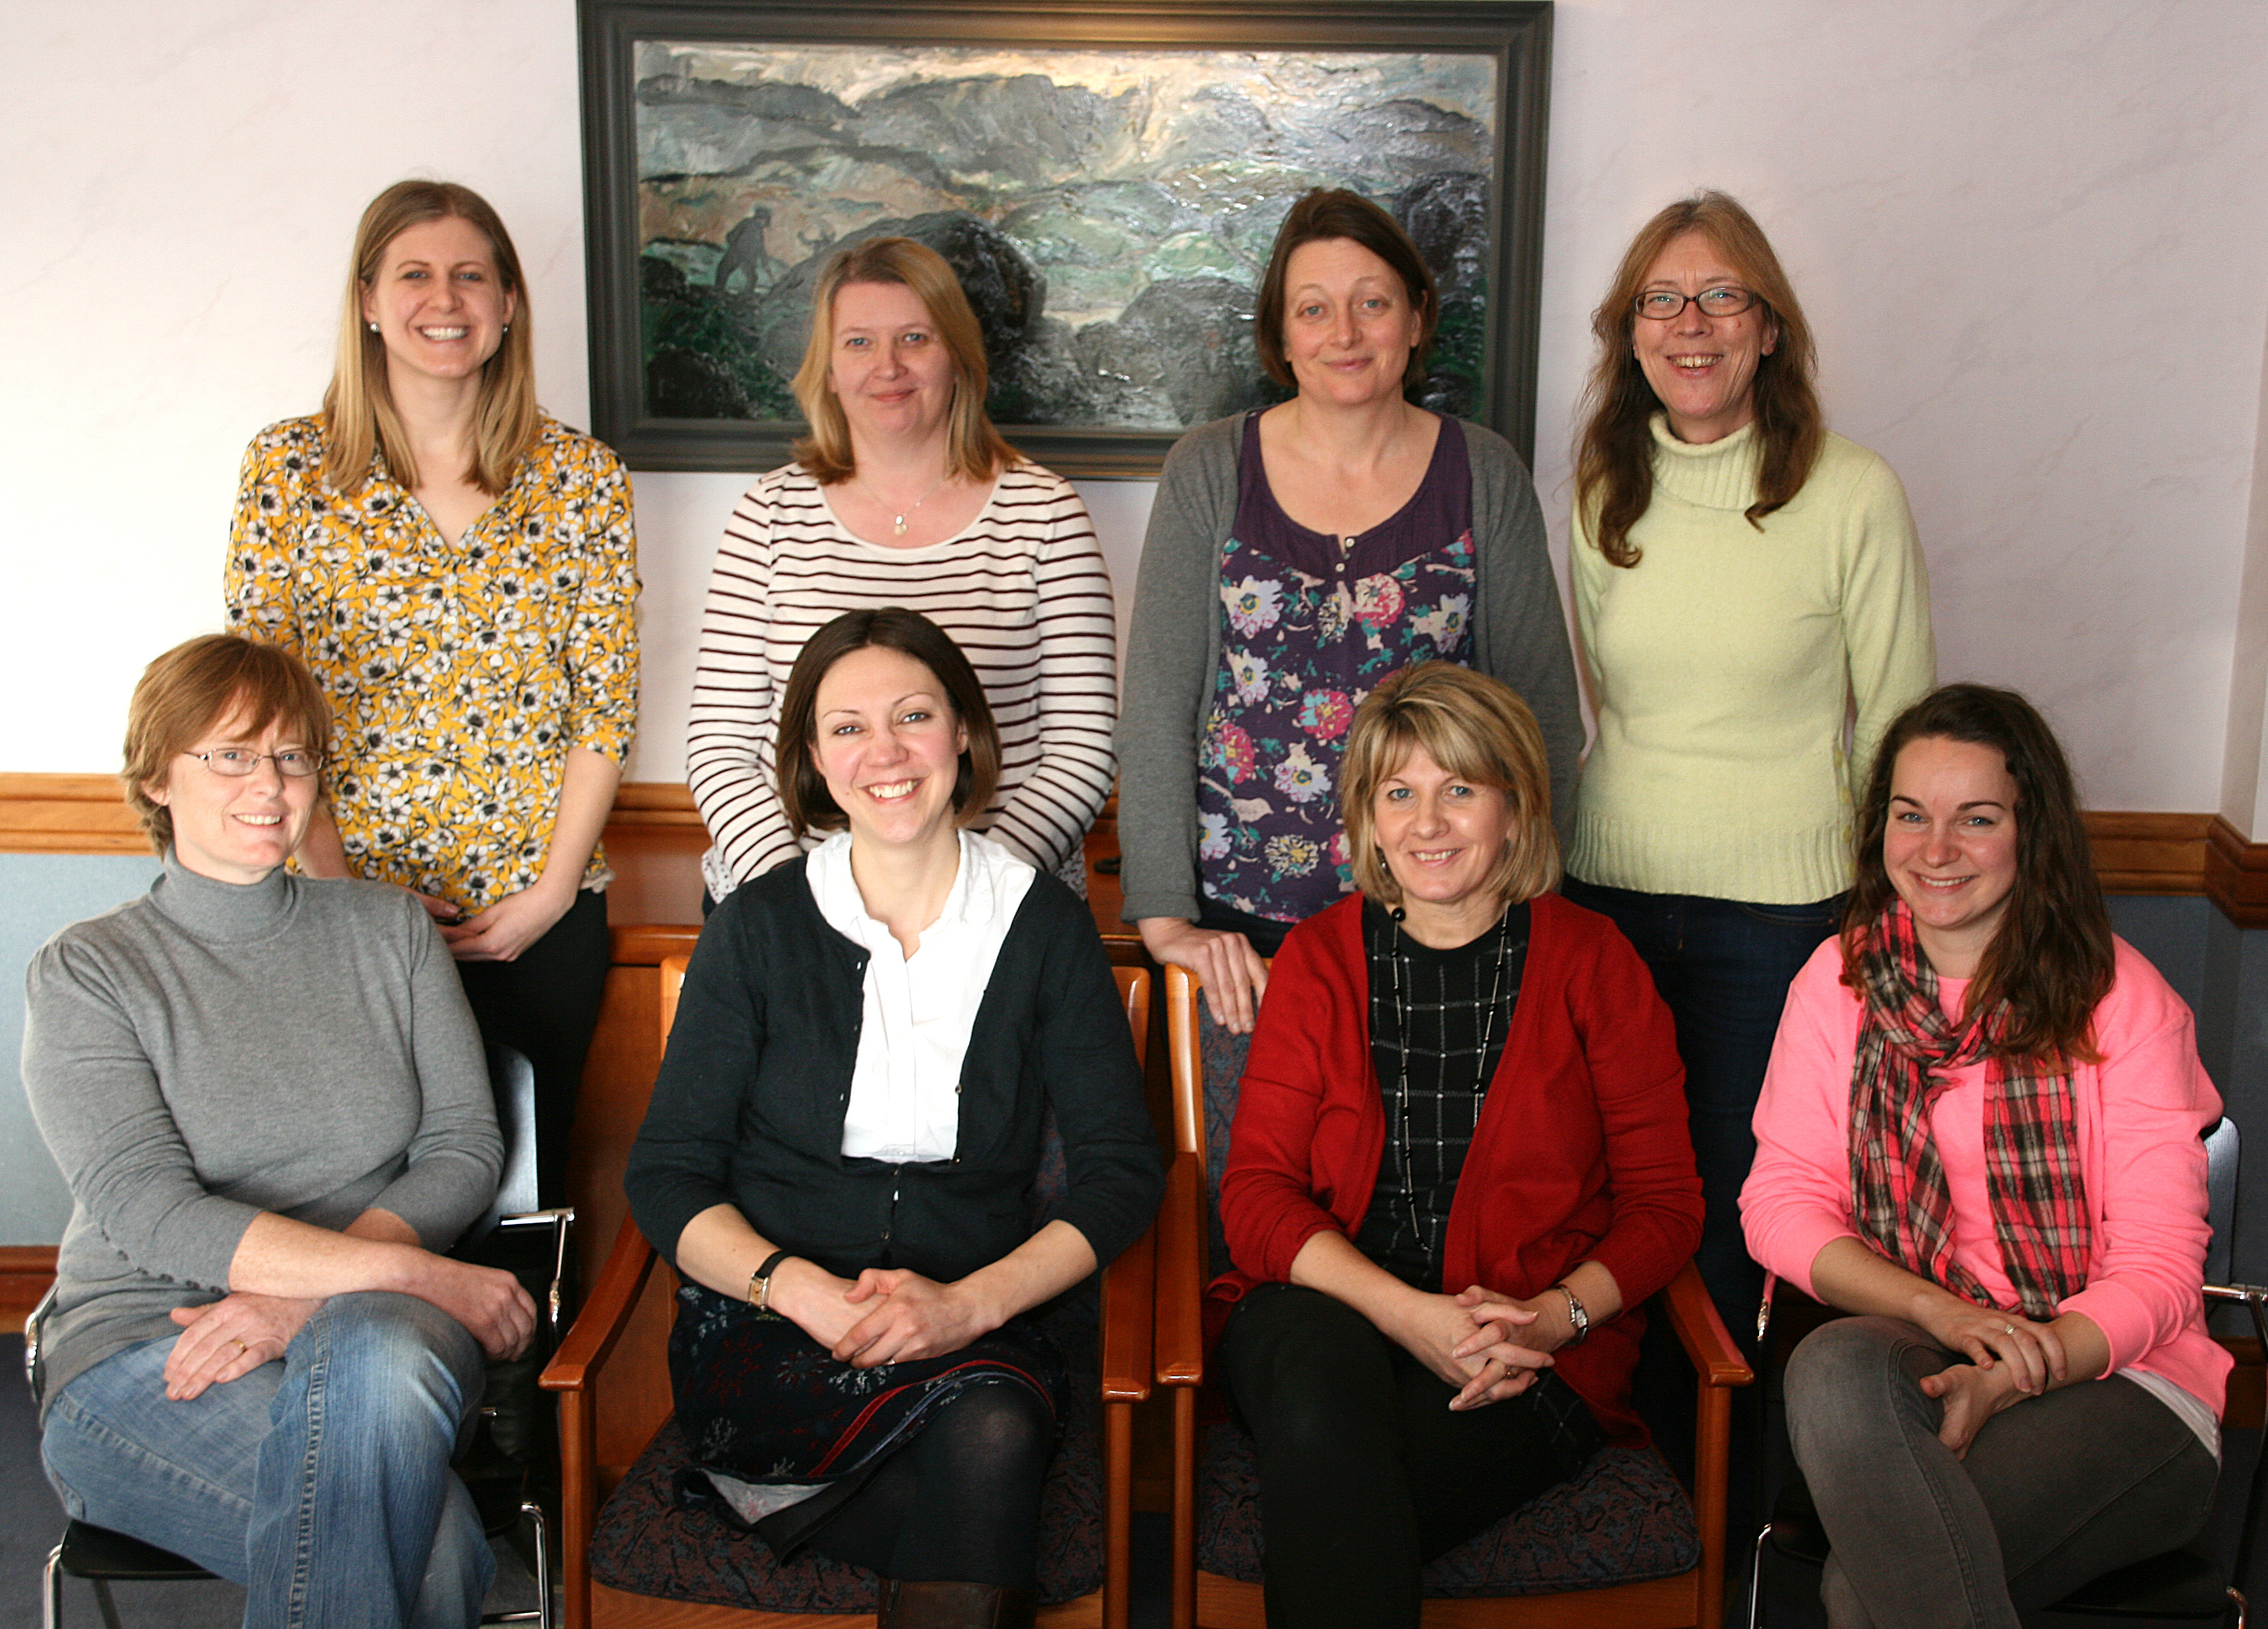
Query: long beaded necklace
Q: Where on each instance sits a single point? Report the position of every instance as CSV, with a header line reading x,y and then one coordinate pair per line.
x,y
1402,1046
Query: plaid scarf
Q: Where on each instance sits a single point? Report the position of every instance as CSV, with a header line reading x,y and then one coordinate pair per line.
x,y
1900,1202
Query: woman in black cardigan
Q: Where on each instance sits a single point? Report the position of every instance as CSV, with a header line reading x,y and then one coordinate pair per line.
x,y
844,1136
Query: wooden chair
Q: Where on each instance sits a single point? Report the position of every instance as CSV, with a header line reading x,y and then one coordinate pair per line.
x,y
613,1379
1514,1576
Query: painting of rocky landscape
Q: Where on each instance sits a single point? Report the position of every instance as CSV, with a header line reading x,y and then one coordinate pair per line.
x,y
1109,210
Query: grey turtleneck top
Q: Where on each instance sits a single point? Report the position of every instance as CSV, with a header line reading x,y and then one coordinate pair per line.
x,y
212,1050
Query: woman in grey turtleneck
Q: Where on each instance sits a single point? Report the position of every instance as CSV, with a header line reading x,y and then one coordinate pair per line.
x,y
269,1099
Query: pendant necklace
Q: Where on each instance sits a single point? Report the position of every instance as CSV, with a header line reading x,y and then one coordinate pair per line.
x,y
1402,1044
897,520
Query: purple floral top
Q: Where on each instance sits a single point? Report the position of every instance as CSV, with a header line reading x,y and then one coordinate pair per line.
x,y
1308,629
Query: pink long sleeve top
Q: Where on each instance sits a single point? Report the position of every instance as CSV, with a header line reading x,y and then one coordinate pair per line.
x,y
2141,1111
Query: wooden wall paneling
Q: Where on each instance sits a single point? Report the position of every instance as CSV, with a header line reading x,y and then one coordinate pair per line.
x,y
66,814
2236,875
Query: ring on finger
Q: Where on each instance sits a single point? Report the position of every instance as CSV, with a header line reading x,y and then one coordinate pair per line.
x,y
2007,1329
240,1346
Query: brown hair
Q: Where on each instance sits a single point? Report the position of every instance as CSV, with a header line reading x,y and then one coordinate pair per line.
x,y
803,793
1334,212
359,418
2051,958
192,689
974,449
1478,730
1614,451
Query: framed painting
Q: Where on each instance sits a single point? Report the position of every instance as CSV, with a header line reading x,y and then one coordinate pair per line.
x,y
1106,177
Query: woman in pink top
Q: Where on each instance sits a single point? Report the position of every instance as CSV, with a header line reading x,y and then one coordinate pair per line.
x,y
1980,1128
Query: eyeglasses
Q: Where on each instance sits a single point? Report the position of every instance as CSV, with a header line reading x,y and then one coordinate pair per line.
x,y
1668,305
296,762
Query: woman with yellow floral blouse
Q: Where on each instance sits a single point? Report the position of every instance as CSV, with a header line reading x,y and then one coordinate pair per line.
x,y
459,571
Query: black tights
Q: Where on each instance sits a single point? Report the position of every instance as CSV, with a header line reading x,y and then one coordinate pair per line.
x,y
960,1503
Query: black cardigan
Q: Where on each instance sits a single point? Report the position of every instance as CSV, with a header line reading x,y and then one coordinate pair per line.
x,y
749,1107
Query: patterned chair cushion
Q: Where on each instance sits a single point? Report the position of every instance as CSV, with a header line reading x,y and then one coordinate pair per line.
x,y
1623,1520
646,1543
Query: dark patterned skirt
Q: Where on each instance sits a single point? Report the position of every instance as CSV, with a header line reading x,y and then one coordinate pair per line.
x,y
783,1434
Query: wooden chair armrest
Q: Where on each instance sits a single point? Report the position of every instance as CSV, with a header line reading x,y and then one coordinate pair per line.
x,y
1702,1332
1129,1292
601,1323
1181,1275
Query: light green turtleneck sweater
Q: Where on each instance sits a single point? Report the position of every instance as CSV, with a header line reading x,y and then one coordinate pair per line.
x,y
1724,666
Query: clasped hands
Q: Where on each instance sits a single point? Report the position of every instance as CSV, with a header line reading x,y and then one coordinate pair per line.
x,y
1490,1346
886,1314
2010,1358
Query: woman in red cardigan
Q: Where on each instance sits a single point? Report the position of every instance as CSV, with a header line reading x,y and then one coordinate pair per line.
x,y
1460,1162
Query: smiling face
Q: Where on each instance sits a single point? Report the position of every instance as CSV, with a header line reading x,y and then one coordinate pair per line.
x,y
1443,838
439,306
1950,846
887,367
1703,368
236,829
1349,325
888,745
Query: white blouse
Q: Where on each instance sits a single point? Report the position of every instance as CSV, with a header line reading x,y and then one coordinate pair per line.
x,y
905,1087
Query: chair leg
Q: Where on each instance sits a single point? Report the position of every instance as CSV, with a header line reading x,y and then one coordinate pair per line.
x,y
2236,1597
102,1599
1756,1579
534,1511
1183,1606
51,1607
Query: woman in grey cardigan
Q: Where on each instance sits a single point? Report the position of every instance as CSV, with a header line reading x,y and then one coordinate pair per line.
x,y
270,1102
1296,558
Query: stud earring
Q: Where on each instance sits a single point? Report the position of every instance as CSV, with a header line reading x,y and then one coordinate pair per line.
x,y
507,327
373,328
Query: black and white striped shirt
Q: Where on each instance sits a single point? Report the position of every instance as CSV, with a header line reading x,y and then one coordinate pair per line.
x,y
1023,590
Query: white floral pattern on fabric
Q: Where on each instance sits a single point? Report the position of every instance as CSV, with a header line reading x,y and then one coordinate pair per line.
x,y
459,673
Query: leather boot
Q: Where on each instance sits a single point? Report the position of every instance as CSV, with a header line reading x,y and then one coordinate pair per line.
x,y
906,1605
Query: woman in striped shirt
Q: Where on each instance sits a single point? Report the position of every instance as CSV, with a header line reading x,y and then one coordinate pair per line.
x,y
905,494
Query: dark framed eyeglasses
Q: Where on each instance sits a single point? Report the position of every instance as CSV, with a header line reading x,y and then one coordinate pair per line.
x,y
298,763
1667,305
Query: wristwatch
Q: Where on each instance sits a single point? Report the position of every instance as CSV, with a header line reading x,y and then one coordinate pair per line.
x,y
760,1281
1579,1320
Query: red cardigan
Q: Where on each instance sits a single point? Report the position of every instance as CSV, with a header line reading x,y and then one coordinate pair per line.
x,y
1581,1152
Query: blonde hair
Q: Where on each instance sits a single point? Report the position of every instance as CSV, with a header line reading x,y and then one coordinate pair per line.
x,y
974,449
190,690
1614,450
359,419
1478,730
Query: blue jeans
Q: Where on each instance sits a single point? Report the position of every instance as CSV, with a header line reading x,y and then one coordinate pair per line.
x,y
320,1481
1723,968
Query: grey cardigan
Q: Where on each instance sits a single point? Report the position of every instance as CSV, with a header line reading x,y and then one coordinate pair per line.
x,y
1519,635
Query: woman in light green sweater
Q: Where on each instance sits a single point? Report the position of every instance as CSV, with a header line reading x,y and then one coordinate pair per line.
x,y
1746,581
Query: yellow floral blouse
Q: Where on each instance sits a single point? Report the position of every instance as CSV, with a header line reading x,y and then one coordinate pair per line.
x,y
459,673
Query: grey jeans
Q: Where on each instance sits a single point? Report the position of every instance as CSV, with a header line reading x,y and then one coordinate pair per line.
x,y
2054,1490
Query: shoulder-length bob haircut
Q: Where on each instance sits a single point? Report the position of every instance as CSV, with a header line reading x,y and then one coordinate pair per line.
x,y
2052,959
1335,212
975,450
1614,449
359,418
1478,730
193,689
803,793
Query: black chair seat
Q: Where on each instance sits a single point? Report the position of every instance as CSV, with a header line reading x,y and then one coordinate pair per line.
x,y
91,1551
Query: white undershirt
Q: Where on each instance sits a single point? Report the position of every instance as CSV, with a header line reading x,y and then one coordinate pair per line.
x,y
917,1013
